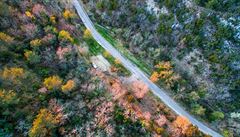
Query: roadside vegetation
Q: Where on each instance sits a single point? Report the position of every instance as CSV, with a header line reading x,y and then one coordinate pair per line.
x,y
48,86
96,49
120,47
190,48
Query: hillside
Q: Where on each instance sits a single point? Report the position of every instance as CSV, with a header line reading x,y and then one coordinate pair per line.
x,y
56,80
189,47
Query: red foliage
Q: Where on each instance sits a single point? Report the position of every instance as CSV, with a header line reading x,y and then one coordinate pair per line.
x,y
161,120
139,89
57,110
24,5
48,39
43,90
38,9
147,115
103,115
30,30
63,25
62,51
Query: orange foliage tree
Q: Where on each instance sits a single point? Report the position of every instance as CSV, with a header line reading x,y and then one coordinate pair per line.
x,y
164,72
68,86
154,77
183,123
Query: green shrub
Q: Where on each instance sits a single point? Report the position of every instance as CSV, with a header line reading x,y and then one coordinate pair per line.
x,y
216,115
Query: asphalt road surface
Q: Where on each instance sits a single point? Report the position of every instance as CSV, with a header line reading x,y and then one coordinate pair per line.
x,y
137,72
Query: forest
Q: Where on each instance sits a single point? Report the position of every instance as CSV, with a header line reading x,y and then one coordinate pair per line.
x,y
188,47
49,86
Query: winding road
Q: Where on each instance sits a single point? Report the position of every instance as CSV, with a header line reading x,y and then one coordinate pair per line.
x,y
137,72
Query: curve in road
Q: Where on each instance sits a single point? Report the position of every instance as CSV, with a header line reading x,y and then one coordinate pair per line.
x,y
137,72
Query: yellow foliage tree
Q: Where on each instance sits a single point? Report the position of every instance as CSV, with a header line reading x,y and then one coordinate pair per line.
x,y
31,56
53,82
67,14
29,14
28,54
106,54
7,97
43,125
164,65
117,61
6,38
165,74
193,131
53,19
68,86
87,34
13,73
35,43
64,35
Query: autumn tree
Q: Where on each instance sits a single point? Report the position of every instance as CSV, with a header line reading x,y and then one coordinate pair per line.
x,y
87,34
161,120
65,36
106,54
13,74
154,77
7,97
6,38
39,10
67,14
61,52
30,30
53,20
29,14
35,43
53,82
117,61
44,124
164,72
68,86
32,57
193,131
139,89
182,122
